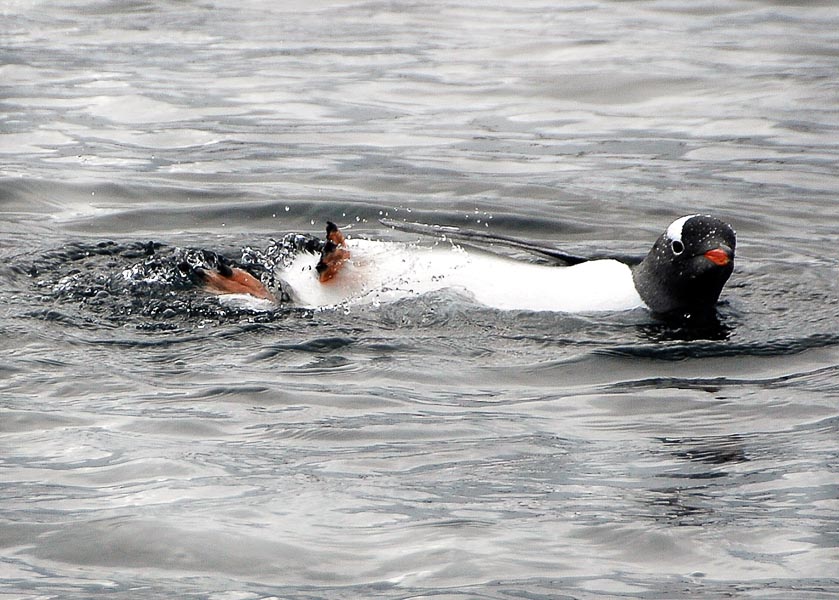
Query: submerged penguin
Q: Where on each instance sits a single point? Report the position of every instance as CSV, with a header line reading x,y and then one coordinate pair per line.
x,y
683,273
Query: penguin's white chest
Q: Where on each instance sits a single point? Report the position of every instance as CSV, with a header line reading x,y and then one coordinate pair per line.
x,y
602,285
386,271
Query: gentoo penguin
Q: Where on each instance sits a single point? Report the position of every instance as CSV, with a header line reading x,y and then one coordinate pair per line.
x,y
683,273
687,267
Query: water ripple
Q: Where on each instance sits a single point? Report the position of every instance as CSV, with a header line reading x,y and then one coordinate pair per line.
x,y
158,446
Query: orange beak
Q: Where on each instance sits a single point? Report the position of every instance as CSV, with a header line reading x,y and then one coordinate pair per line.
x,y
718,256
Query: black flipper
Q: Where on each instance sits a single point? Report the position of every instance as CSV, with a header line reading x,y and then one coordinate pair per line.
x,y
471,236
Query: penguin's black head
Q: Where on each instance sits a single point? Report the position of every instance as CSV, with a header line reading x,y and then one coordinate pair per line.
x,y
687,266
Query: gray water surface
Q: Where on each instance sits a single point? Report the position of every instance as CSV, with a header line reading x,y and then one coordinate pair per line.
x,y
428,447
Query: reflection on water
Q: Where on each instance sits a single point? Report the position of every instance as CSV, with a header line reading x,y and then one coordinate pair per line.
x,y
173,447
714,326
713,451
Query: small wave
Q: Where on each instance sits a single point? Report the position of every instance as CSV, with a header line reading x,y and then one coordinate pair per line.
x,y
112,284
711,349
320,345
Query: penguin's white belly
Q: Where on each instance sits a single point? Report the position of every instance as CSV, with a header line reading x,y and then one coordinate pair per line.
x,y
386,271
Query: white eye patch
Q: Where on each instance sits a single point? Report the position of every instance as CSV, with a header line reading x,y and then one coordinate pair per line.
x,y
674,232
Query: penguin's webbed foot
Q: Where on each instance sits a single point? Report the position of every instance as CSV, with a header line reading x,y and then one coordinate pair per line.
x,y
334,254
215,274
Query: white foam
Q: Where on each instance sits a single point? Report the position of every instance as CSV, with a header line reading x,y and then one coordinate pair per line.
x,y
246,302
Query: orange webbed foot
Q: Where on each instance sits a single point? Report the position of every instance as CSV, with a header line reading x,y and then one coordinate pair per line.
x,y
233,280
334,254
